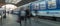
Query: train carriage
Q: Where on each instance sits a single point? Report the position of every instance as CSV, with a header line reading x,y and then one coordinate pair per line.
x,y
46,7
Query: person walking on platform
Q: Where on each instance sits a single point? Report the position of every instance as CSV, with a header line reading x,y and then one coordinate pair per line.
x,y
21,16
27,16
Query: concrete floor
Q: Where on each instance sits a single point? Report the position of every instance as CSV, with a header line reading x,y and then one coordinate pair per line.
x,y
11,21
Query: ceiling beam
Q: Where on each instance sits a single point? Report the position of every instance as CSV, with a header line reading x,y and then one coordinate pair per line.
x,y
24,2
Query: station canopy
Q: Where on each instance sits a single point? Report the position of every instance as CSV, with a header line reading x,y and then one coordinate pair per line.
x,y
12,1
9,7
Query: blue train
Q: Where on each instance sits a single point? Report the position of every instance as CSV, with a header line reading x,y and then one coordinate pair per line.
x,y
46,7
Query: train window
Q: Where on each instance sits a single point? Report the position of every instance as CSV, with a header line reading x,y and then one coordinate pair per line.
x,y
52,4
35,6
43,5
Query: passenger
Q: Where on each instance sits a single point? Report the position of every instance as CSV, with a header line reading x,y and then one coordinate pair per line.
x,y
21,16
18,20
27,13
27,16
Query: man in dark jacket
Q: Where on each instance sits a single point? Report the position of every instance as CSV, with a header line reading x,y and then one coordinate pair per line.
x,y
27,13
27,16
